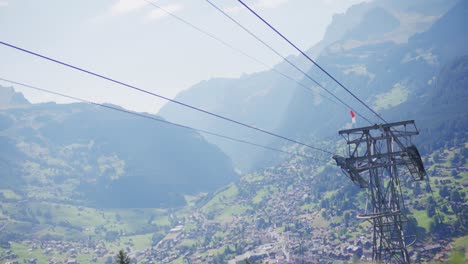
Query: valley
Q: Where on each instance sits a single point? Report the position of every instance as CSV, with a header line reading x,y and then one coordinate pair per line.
x,y
291,213
81,181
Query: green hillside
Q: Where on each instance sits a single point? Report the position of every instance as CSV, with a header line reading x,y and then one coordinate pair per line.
x,y
86,155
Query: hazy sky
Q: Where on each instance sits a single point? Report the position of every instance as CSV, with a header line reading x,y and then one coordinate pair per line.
x,y
134,42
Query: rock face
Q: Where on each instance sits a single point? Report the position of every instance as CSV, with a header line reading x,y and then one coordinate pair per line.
x,y
106,158
9,98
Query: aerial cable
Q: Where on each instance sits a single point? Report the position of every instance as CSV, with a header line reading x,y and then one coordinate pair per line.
x,y
163,97
208,34
310,59
162,120
226,44
286,59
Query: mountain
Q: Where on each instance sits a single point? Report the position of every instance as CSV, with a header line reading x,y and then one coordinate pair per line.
x,y
350,49
105,158
392,78
9,98
248,99
301,211
444,114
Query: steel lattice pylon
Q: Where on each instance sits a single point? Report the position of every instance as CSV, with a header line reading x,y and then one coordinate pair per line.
x,y
376,156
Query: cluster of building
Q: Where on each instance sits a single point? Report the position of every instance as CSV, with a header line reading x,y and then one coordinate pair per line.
x,y
278,231
59,252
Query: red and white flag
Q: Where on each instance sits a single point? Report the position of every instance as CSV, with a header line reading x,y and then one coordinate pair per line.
x,y
353,117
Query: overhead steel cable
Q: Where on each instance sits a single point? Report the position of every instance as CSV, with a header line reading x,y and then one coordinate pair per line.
x,y
206,33
226,44
311,60
163,97
286,59
162,120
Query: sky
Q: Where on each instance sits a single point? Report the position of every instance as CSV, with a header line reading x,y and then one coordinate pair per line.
x,y
139,44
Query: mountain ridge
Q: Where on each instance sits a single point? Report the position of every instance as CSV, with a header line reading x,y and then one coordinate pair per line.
x,y
107,155
297,118
393,78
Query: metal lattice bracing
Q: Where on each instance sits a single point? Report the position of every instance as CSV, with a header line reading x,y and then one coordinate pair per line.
x,y
377,154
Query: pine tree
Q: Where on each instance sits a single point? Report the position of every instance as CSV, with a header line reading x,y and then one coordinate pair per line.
x,y
123,258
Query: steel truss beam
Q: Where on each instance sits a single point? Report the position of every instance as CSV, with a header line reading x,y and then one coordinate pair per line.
x,y
376,156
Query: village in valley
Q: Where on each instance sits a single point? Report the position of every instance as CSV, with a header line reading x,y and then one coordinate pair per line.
x,y
283,228
294,213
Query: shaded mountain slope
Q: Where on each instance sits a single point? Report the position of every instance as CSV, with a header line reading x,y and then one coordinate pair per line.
x,y
256,99
394,79
112,159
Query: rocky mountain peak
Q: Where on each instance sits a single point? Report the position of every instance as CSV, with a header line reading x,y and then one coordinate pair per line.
x,y
9,98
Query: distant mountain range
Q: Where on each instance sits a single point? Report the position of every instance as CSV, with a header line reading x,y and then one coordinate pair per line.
x,y
392,54
406,59
397,80
83,153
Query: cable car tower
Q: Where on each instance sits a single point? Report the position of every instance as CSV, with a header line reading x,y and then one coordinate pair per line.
x,y
377,154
